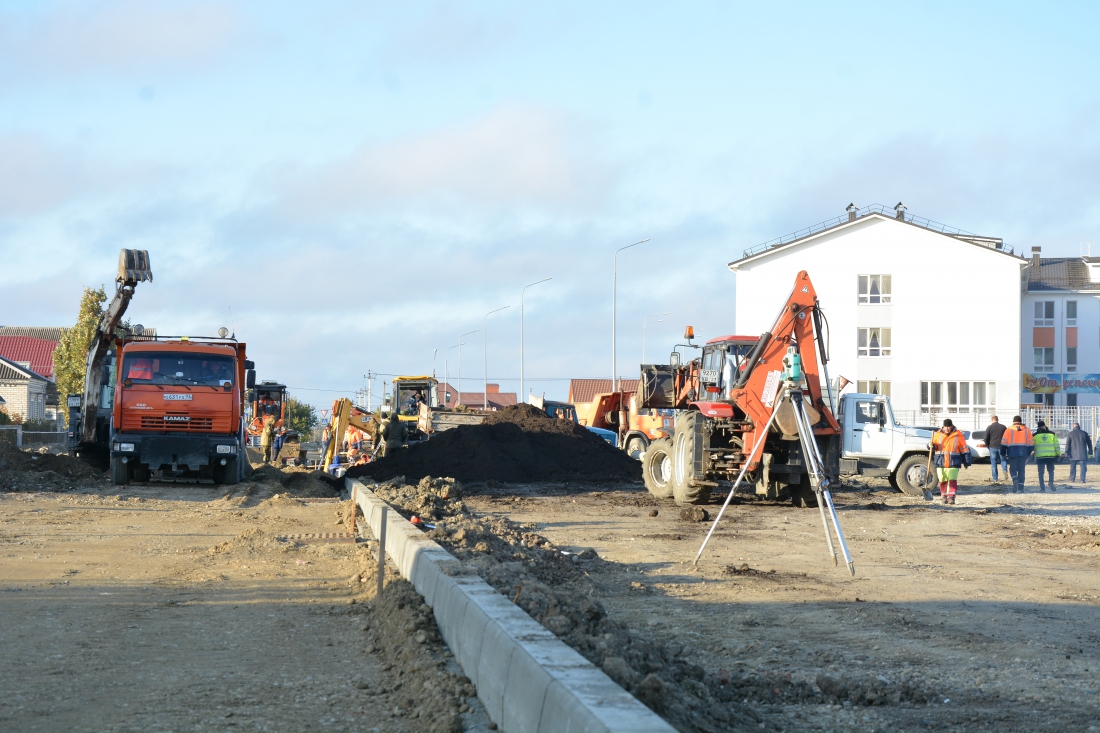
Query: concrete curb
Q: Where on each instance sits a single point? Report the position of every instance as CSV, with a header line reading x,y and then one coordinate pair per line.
x,y
529,680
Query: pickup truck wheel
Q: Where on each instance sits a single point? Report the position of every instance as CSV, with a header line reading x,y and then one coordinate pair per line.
x,y
657,468
120,472
912,475
683,451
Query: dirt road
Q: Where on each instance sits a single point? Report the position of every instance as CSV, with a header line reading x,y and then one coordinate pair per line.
x,y
989,608
176,608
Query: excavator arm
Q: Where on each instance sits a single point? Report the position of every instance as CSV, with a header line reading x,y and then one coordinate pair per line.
x,y
133,267
796,332
344,415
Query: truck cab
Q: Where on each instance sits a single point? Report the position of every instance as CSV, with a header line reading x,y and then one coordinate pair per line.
x,y
874,444
177,411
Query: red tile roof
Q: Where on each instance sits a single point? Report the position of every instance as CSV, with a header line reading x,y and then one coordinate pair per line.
x,y
585,390
37,351
476,399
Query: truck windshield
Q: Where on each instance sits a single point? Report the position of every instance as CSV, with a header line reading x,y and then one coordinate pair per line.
x,y
410,397
167,368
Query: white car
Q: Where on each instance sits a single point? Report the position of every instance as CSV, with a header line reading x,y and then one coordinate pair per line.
x,y
976,441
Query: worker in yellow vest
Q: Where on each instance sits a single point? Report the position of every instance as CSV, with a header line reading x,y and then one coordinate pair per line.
x,y
1018,445
952,453
1047,451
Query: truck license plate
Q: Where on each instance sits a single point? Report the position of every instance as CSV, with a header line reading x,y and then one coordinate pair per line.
x,y
177,396
708,376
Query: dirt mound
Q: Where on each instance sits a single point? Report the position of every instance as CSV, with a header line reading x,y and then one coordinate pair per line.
x,y
518,444
432,499
295,481
37,471
252,541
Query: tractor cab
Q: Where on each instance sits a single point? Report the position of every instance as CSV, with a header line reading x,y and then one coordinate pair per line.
x,y
723,360
266,401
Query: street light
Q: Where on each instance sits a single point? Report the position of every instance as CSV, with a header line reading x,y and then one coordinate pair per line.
x,y
447,373
459,401
614,314
485,356
645,322
521,389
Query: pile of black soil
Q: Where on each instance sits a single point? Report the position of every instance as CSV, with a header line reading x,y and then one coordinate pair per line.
x,y
24,470
518,444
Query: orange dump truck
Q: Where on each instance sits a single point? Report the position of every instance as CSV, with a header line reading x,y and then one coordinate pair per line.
x,y
178,410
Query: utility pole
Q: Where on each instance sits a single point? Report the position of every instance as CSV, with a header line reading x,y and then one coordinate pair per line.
x,y
614,314
370,384
485,356
522,393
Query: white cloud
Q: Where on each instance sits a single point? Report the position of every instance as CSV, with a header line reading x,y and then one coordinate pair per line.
x,y
516,154
114,35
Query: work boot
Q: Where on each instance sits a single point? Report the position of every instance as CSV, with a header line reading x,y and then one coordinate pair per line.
x,y
951,500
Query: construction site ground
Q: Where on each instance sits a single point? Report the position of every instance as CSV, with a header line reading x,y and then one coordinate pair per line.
x,y
178,608
991,606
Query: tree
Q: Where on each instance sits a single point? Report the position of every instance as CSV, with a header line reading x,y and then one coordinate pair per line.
x,y
301,417
70,358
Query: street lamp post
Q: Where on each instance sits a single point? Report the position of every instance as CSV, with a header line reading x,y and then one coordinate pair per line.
x,y
645,322
485,356
459,400
522,398
614,314
447,372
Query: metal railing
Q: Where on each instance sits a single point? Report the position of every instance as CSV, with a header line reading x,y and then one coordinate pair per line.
x,y
872,209
1056,418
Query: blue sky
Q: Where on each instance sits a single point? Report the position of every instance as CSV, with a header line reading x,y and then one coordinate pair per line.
x,y
352,185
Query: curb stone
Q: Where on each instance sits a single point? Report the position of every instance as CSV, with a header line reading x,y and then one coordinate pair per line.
x,y
528,679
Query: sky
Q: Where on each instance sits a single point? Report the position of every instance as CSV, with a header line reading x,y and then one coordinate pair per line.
x,y
351,187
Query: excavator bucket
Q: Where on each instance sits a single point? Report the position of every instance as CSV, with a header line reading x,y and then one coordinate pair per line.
x,y
133,266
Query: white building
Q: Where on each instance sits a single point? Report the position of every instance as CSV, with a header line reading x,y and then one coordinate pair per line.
x,y
1060,330
925,313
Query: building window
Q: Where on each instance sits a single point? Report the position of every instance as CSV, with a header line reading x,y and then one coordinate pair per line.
x,y
1071,399
874,342
1044,360
873,387
1071,312
1044,313
874,289
957,397
1071,358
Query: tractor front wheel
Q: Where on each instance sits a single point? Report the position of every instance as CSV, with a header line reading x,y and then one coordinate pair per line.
x,y
684,488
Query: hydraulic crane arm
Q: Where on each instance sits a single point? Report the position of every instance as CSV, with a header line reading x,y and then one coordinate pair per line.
x,y
133,267
756,389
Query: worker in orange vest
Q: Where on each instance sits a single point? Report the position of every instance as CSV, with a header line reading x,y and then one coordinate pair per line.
x,y
1018,443
951,454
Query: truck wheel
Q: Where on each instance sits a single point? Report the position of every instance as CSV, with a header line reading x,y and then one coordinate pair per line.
x,y
227,475
912,474
657,468
141,472
683,452
120,472
635,448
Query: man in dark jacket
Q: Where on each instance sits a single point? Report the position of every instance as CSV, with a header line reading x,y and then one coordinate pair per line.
x,y
993,435
393,435
1078,447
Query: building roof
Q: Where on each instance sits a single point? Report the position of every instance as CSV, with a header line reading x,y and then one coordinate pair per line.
x,y
37,351
50,333
1061,273
12,371
476,399
874,211
585,390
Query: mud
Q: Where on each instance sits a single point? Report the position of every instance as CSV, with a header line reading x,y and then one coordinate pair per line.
x,y
517,444
36,470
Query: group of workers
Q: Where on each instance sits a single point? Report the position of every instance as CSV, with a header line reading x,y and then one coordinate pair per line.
x,y
1010,446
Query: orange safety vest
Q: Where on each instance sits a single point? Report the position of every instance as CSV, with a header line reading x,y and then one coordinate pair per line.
x,y
952,446
1018,434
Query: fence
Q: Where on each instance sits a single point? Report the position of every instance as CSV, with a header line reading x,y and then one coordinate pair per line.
x,y
44,438
12,434
1055,417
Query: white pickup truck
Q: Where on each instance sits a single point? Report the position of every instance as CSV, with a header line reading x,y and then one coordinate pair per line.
x,y
873,444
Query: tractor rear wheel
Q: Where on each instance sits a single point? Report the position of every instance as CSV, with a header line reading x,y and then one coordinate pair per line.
x,y
657,468
684,488
803,496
